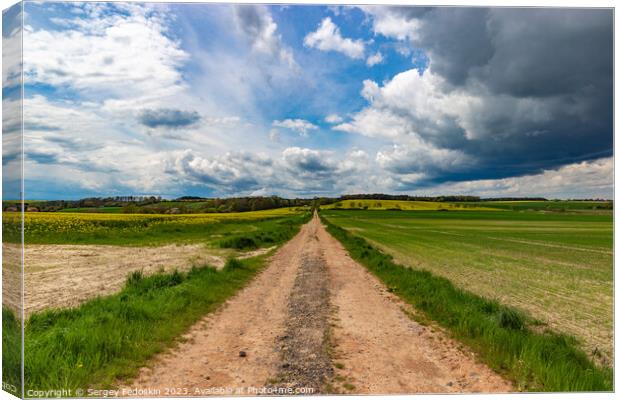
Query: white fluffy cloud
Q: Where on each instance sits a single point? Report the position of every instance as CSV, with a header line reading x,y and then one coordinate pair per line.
x,y
300,126
96,55
392,24
409,105
374,59
328,38
333,119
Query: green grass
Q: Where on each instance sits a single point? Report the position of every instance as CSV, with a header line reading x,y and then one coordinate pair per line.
x,y
11,352
558,267
108,339
551,205
276,232
500,335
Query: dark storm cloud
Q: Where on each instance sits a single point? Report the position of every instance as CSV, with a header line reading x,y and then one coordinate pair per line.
x,y
524,52
168,118
541,81
457,40
550,52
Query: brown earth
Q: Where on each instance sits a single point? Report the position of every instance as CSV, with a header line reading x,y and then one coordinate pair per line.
x,y
11,277
314,321
58,276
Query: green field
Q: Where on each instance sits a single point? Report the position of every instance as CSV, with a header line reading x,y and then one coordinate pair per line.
x,y
551,205
364,204
557,267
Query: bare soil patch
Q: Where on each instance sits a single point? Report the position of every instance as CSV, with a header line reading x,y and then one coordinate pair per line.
x,y
11,277
58,276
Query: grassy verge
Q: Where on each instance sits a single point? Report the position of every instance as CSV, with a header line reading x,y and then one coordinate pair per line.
x,y
11,352
109,338
501,336
276,232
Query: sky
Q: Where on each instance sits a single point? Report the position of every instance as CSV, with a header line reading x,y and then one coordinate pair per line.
x,y
303,101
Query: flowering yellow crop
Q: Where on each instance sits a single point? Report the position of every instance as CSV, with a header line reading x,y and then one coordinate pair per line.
x,y
60,223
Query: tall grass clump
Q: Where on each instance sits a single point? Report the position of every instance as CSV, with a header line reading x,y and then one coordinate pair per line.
x,y
11,352
109,338
501,336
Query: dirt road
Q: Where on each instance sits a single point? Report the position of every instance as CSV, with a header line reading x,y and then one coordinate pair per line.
x,y
314,321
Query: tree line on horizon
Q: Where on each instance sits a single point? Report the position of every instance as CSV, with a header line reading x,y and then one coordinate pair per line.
x,y
195,204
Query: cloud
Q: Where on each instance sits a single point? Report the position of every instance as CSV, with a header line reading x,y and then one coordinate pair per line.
x,y
456,38
587,179
497,100
95,54
294,171
333,119
374,59
259,29
230,120
84,153
421,158
395,22
328,38
12,34
231,172
488,104
274,135
491,45
168,118
299,125
307,160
